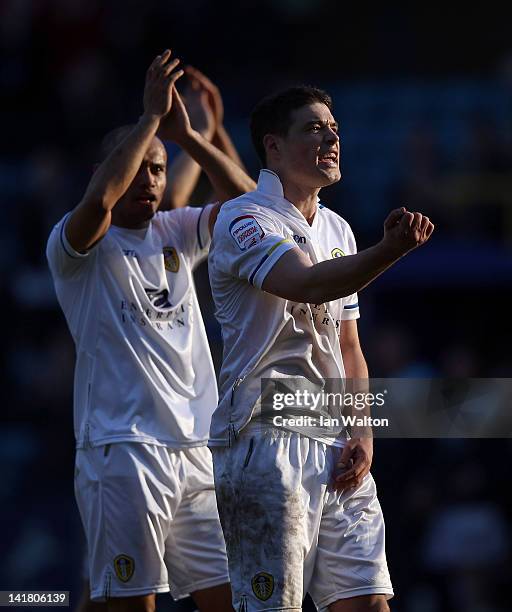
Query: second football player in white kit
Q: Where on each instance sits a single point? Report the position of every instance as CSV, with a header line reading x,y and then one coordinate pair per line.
x,y
284,274
144,381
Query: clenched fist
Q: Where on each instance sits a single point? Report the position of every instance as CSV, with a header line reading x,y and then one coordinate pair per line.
x,y
404,230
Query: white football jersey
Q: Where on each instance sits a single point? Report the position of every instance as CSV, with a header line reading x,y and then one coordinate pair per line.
x,y
144,372
266,336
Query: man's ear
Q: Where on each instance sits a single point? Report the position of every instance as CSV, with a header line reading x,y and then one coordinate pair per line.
x,y
271,144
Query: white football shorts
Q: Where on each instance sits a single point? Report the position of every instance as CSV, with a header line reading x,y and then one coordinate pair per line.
x,y
288,532
150,520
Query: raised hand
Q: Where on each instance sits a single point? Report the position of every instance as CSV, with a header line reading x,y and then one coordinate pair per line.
x,y
199,109
175,125
212,91
404,230
160,79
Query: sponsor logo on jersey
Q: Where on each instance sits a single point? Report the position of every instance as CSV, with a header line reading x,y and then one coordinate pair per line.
x,y
166,318
318,313
299,239
129,253
246,232
171,259
124,567
263,585
159,298
337,252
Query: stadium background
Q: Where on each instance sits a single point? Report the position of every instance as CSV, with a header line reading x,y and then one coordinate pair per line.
x,y
424,101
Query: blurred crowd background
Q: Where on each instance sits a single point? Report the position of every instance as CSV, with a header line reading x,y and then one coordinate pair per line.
x,y
424,101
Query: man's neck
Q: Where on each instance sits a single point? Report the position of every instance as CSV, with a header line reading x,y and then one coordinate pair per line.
x,y
129,224
303,198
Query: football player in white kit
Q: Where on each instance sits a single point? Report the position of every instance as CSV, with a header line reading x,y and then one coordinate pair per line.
x,y
144,380
284,273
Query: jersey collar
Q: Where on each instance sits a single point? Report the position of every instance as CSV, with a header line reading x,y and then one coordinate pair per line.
x,y
141,234
270,184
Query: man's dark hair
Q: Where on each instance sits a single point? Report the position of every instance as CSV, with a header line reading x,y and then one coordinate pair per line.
x,y
112,139
273,115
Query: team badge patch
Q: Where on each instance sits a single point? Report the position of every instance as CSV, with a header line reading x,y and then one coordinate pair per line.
x,y
171,259
124,567
246,232
337,253
263,585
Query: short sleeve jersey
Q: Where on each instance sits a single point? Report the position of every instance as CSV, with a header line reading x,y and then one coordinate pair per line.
x,y
266,336
143,372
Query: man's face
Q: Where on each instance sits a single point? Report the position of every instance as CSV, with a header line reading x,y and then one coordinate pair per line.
x,y
143,197
309,154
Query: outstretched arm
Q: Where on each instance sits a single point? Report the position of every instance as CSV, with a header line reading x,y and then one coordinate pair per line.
x,y
91,219
294,277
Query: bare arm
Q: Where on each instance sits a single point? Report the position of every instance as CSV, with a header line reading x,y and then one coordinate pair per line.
x,y
222,141
91,219
227,178
183,172
356,458
353,358
296,278
182,176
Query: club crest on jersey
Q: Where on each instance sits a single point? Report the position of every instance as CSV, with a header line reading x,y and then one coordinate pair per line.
x,y
263,585
337,252
246,232
124,567
171,259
